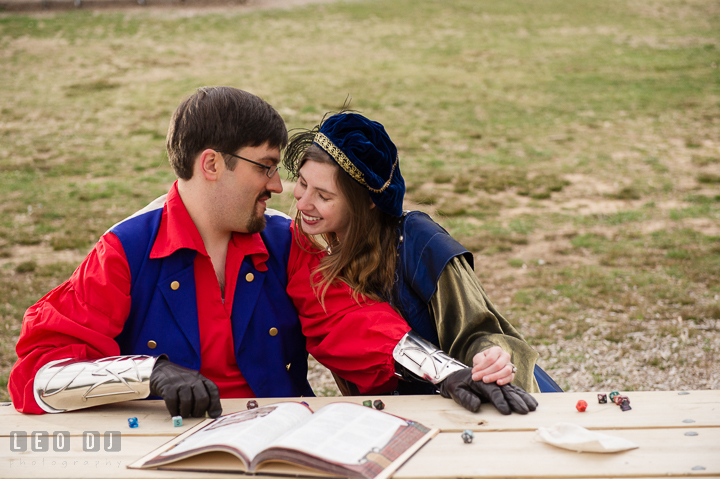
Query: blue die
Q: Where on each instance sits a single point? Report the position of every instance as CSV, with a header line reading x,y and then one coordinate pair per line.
x,y
132,422
177,421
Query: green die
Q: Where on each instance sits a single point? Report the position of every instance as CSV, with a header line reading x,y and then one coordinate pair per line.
x,y
367,403
612,395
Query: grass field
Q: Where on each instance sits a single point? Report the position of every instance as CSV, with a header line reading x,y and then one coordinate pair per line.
x,y
573,146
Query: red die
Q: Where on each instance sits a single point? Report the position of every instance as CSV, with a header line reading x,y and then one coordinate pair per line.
x,y
581,406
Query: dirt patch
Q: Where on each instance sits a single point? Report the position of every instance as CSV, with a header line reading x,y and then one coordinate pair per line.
x,y
42,255
702,225
187,7
685,359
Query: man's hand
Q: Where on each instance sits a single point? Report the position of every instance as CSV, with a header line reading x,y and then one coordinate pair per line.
x,y
493,365
470,394
186,392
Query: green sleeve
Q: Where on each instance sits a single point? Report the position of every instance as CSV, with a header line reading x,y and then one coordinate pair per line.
x,y
468,323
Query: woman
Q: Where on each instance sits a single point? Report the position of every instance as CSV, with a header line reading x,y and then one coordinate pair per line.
x,y
349,195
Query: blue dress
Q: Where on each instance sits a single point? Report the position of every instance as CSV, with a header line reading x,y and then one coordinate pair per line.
x,y
460,318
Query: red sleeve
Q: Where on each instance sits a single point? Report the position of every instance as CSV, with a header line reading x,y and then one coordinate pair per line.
x,y
355,341
78,319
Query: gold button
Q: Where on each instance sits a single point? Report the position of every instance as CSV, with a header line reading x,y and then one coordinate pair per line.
x,y
273,331
174,285
249,277
288,366
152,344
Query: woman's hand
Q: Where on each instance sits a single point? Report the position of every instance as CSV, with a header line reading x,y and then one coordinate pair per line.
x,y
493,365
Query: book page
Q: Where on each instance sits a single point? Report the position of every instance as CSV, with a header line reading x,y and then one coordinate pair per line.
x,y
342,432
247,431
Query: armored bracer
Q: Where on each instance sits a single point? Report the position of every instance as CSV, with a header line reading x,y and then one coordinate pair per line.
x,y
69,384
414,355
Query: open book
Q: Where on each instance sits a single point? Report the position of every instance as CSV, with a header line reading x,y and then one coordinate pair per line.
x,y
340,440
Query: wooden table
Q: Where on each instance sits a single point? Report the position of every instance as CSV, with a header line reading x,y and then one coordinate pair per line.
x,y
504,446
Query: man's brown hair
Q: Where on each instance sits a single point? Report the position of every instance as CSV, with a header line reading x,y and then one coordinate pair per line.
x,y
224,119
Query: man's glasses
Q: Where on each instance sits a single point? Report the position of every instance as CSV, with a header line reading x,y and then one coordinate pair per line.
x,y
271,170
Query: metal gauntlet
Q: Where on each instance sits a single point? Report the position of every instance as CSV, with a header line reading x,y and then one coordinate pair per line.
x,y
70,384
423,359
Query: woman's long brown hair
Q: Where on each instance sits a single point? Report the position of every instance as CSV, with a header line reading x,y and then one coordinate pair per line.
x,y
365,259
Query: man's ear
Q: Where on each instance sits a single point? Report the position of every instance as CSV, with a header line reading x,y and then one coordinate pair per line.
x,y
211,164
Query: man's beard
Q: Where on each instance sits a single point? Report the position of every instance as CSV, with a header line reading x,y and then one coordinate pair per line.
x,y
257,223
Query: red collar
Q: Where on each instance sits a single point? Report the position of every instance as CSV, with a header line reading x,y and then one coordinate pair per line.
x,y
178,231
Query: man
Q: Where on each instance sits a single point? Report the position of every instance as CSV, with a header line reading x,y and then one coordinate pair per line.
x,y
186,299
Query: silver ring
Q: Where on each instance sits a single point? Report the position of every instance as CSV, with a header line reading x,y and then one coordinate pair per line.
x,y
514,369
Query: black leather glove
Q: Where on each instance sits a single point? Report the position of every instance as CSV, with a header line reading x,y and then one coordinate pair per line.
x,y
520,400
186,392
470,394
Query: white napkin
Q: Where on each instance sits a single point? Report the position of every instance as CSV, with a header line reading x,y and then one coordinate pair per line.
x,y
577,438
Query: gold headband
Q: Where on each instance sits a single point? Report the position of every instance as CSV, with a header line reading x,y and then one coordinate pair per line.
x,y
347,165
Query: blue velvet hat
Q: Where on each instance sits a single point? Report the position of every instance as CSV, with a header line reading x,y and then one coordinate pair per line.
x,y
364,151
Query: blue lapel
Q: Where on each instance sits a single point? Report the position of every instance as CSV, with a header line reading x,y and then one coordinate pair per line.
x,y
245,300
182,301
